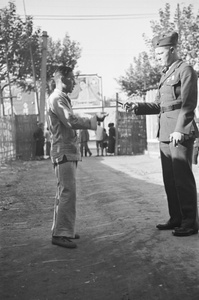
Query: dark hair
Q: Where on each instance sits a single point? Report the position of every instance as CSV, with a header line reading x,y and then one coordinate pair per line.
x,y
62,70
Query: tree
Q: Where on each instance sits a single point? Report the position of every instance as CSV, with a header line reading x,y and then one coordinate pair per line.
x,y
16,38
140,76
21,50
65,52
144,74
187,26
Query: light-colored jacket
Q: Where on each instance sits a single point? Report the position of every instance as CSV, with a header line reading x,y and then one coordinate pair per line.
x,y
63,123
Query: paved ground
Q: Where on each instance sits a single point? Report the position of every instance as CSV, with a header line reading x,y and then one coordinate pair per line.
x,y
120,256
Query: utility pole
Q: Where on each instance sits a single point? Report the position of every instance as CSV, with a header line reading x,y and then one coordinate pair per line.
x,y
3,42
179,23
43,79
116,126
9,82
34,77
33,65
2,113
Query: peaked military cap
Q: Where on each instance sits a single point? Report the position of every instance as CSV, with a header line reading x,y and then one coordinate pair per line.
x,y
165,40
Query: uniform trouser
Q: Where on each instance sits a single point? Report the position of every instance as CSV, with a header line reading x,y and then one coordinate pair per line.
x,y
65,200
179,183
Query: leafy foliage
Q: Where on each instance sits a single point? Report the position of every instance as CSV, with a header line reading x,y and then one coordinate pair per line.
x,y
187,26
144,73
16,37
21,48
64,52
140,76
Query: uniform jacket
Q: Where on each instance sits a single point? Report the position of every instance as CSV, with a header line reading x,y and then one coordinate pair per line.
x,y
177,88
63,123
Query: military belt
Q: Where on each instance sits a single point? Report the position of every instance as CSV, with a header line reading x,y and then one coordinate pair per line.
x,y
170,107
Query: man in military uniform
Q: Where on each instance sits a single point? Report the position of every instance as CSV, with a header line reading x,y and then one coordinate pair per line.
x,y
175,103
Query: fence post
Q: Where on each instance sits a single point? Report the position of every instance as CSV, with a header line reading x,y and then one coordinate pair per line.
x,y
43,78
116,126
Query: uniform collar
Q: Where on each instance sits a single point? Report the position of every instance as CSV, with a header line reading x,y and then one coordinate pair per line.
x,y
175,64
62,94
171,69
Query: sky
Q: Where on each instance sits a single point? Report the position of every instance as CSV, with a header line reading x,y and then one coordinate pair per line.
x,y
108,45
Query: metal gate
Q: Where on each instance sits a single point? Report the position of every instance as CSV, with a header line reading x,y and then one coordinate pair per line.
x,y
132,137
25,144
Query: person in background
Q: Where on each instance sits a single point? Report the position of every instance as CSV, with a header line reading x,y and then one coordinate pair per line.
x,y
48,142
39,138
105,141
84,138
195,151
111,139
99,138
196,148
65,154
175,103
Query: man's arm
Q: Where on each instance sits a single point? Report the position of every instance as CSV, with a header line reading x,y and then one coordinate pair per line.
x,y
189,101
188,79
74,121
143,108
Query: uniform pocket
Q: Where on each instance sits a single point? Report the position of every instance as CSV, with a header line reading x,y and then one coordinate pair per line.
x,y
175,86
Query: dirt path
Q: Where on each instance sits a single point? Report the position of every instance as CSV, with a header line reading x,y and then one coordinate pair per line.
x,y
120,256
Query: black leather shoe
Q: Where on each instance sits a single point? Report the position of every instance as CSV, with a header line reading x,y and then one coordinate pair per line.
x,y
167,226
184,231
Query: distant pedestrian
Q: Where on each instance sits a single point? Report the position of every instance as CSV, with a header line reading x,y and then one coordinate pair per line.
x,y
196,148
111,139
48,142
99,138
105,141
195,151
39,138
84,138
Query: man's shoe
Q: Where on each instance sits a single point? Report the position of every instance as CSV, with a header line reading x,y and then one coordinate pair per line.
x,y
184,231
167,226
90,153
63,242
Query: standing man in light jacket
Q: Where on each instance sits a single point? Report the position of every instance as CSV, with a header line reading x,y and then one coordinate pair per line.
x,y
65,154
175,103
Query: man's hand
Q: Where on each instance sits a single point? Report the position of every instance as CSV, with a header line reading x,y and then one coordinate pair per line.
x,y
176,138
101,116
129,106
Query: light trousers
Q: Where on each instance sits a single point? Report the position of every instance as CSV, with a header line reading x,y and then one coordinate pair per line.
x,y
65,200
